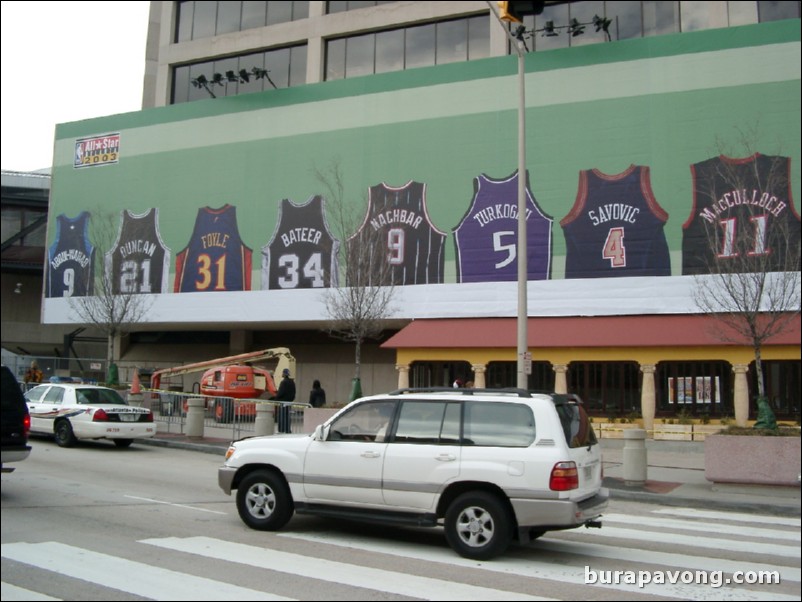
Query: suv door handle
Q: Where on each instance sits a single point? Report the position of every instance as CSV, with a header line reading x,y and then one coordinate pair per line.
x,y
445,458
370,454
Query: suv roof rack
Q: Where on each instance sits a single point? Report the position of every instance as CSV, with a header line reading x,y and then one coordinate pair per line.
x,y
460,391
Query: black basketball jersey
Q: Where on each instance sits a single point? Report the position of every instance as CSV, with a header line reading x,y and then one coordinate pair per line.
x,y
302,252
616,227
414,247
139,261
741,208
71,258
215,259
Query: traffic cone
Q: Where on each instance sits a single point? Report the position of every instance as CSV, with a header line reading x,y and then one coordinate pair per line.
x,y
136,387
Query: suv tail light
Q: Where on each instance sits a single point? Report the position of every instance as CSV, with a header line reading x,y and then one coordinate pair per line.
x,y
564,477
26,424
100,416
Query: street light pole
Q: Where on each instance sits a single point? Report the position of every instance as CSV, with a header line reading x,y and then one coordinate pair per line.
x,y
522,333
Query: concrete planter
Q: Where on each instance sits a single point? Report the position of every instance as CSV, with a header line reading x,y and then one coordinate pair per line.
x,y
673,432
753,460
613,430
315,416
702,431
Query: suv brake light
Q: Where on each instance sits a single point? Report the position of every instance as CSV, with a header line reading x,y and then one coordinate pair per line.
x,y
564,477
26,424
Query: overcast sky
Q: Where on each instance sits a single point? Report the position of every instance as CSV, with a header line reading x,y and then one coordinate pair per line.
x,y
62,62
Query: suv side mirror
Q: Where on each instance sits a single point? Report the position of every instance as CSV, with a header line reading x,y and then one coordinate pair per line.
x,y
321,432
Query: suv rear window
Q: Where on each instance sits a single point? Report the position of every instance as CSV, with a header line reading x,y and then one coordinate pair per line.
x,y
576,425
494,424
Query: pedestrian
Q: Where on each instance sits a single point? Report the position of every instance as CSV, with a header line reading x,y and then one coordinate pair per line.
x,y
33,375
286,394
317,396
457,384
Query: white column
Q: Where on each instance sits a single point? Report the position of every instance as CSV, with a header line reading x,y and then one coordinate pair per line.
x,y
560,381
647,397
741,394
403,375
479,381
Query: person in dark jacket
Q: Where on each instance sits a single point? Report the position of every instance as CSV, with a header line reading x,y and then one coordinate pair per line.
x,y
317,396
285,393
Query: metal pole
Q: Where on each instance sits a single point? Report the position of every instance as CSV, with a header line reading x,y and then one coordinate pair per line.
x,y
523,347
523,311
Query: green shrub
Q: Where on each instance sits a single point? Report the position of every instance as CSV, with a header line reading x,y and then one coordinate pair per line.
x,y
748,431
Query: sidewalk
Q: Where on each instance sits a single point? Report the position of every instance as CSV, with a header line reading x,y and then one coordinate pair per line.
x,y
675,477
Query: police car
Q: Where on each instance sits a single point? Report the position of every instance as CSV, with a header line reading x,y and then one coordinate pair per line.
x,y
71,411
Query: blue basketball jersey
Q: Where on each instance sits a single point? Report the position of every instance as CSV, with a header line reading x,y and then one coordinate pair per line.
x,y
616,227
215,259
486,238
71,258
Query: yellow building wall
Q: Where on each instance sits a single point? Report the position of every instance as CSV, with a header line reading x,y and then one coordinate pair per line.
x,y
565,355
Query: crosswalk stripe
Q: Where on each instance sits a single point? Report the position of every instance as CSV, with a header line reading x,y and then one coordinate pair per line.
x,y
536,569
696,541
337,572
736,517
9,593
667,559
708,527
126,575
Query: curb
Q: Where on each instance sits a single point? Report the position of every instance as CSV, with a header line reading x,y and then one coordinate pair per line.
x,y
187,445
644,497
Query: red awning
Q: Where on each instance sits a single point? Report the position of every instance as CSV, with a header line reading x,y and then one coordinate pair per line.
x,y
582,331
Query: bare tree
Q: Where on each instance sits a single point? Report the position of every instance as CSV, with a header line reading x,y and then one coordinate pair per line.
x,y
747,275
360,300
111,310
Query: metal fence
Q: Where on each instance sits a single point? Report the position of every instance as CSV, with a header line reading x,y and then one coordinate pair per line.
x,y
223,416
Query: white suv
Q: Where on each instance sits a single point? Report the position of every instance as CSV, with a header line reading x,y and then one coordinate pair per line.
x,y
489,465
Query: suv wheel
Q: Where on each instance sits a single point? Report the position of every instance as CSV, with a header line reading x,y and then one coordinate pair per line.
x,y
264,501
478,525
63,434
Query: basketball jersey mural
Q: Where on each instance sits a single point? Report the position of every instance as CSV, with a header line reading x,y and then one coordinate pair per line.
x,y
302,252
71,258
486,238
215,259
740,206
616,227
413,245
139,261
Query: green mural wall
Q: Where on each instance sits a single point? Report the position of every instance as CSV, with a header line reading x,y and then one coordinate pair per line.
x,y
664,102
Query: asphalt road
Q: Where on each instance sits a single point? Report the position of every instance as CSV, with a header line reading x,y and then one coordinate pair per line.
x,y
99,523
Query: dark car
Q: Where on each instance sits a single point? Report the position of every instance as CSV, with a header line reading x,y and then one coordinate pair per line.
x,y
16,421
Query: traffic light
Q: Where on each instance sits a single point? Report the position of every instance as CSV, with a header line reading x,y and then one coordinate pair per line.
x,y
514,12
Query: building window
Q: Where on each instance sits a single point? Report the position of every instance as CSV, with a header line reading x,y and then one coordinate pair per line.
x,y
14,220
549,30
286,68
341,7
407,48
781,379
197,19
695,388
505,374
607,388
439,374
776,11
